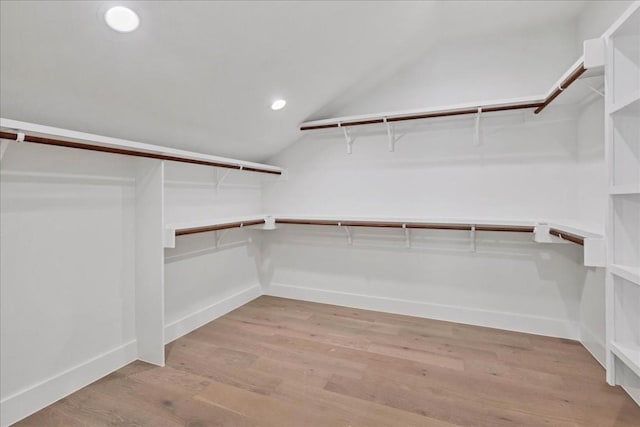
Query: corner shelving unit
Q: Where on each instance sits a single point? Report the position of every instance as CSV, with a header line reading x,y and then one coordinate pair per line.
x,y
622,141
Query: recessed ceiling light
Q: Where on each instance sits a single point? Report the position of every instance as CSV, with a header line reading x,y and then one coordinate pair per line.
x,y
278,104
122,19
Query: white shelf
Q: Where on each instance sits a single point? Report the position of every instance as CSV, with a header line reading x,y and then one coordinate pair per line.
x,y
622,144
175,228
630,356
629,105
123,144
582,232
401,220
621,190
625,249
632,274
594,252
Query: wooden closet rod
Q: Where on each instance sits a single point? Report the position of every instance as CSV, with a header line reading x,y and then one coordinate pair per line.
x,y
413,225
432,115
127,152
573,238
538,105
561,87
217,227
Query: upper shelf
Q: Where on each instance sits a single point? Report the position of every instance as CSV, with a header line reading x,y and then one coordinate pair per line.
x,y
590,65
15,130
593,243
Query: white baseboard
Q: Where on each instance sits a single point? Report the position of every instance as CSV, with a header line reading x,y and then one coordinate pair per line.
x,y
493,319
594,345
191,322
33,398
634,393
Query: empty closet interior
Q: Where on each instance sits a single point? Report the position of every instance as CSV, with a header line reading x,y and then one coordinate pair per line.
x,y
488,178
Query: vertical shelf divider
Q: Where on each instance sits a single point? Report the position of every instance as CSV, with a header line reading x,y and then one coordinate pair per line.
x,y
622,142
149,253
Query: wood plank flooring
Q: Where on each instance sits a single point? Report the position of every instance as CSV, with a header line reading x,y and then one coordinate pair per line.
x,y
278,363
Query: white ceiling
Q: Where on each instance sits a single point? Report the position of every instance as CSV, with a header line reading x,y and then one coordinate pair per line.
x,y
202,75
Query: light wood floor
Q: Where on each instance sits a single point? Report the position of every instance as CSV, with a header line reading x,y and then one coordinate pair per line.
x,y
278,363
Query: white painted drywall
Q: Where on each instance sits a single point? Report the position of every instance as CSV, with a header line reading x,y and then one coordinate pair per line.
x,y
67,272
68,302
191,193
597,16
198,276
527,167
518,63
591,179
509,282
198,273
149,282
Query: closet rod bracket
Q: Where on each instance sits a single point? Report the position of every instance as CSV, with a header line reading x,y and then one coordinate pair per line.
x,y
347,230
476,137
407,236
472,238
4,144
390,135
591,88
217,237
348,137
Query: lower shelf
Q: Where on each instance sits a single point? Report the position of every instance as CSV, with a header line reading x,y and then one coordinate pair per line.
x,y
629,356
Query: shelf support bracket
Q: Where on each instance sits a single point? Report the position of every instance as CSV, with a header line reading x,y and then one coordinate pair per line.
x,y
472,238
407,236
476,137
592,88
217,236
347,230
390,135
348,138
4,144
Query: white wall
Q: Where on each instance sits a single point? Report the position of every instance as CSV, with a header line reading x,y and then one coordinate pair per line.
x,y
597,16
436,171
520,63
527,168
68,221
202,280
191,193
590,213
507,282
67,272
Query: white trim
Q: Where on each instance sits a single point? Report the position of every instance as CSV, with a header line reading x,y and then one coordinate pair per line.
x,y
105,141
37,396
193,321
594,345
621,20
633,393
550,327
424,110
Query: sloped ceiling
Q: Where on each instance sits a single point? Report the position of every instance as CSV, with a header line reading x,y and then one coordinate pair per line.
x,y
202,75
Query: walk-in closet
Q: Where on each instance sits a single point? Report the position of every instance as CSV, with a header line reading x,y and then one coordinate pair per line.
x,y
322,213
